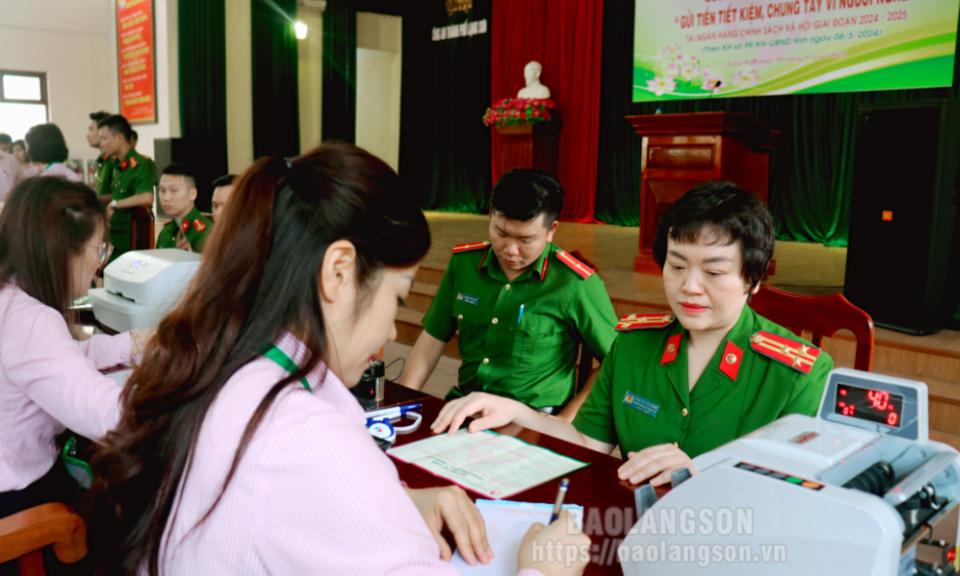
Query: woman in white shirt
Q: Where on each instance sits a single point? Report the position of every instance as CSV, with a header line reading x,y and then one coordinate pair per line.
x,y
51,245
240,448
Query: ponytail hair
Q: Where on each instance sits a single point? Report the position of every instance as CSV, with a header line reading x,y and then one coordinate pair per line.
x,y
258,277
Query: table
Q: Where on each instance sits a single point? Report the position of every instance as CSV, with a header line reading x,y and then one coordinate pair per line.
x,y
608,503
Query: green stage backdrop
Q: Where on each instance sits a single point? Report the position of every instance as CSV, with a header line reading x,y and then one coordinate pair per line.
x,y
811,170
689,49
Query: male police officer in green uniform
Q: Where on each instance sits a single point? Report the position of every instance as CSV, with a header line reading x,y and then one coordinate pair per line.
x,y
189,229
522,305
677,385
131,181
106,164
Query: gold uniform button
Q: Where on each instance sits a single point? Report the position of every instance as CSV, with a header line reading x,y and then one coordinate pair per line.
x,y
685,412
486,360
460,317
507,287
495,320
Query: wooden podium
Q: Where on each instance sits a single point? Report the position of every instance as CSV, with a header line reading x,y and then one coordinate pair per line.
x,y
528,146
683,150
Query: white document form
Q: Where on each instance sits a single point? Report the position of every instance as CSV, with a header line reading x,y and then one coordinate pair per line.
x,y
487,463
507,523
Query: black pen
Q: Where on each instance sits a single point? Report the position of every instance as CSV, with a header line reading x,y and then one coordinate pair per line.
x,y
561,492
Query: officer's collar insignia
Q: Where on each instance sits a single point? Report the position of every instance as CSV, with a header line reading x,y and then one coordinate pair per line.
x,y
198,224
632,322
577,266
123,165
730,362
673,346
133,162
185,225
469,247
543,271
797,355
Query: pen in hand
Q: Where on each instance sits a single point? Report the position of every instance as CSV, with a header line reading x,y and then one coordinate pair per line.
x,y
561,493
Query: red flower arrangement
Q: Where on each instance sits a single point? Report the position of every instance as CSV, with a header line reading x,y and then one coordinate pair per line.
x,y
518,111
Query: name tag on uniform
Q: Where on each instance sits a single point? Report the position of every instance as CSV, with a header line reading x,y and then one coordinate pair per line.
x,y
642,404
468,298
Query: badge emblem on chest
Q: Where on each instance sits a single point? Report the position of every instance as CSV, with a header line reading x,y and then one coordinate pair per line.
x,y
473,300
642,404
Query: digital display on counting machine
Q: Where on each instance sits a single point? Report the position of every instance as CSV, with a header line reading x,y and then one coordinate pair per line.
x,y
866,404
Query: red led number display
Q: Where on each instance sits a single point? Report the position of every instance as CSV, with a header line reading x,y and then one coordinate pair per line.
x,y
872,405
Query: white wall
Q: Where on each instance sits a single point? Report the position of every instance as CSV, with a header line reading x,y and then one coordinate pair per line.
x,y
378,85
239,86
310,78
74,42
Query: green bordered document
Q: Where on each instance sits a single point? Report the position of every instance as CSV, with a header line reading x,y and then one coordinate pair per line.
x,y
487,463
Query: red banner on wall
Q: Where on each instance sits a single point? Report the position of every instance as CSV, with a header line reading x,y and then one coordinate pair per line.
x,y
138,102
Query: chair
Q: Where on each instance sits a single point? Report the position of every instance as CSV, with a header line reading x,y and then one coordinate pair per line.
x,y
820,315
142,236
25,534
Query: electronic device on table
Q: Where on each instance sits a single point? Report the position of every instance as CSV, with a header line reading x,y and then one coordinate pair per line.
x,y
141,286
860,489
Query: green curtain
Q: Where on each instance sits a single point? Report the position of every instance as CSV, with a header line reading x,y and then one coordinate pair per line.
x,y
339,102
276,112
444,146
811,167
203,87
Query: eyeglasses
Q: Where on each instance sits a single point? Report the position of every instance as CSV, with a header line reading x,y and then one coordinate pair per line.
x,y
104,251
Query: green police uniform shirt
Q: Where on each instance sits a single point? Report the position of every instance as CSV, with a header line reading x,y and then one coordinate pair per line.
x,y
196,227
105,167
131,176
528,356
642,398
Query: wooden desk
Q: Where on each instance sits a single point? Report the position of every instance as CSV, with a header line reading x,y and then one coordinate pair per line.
x,y
609,509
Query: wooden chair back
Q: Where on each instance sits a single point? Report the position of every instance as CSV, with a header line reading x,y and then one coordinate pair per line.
x,y
820,315
142,236
24,535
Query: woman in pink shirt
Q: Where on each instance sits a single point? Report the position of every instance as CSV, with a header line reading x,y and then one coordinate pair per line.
x,y
240,448
48,151
51,245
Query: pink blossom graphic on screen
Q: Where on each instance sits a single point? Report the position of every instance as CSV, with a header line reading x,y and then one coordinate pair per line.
x,y
713,84
660,86
672,52
672,70
746,78
688,70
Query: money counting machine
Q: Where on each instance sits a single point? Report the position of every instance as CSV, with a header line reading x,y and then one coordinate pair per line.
x,y
860,489
141,286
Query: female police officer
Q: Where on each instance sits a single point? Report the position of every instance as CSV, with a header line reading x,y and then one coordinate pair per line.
x,y
676,386
240,449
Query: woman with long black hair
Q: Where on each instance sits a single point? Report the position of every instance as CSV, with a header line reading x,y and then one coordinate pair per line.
x,y
240,448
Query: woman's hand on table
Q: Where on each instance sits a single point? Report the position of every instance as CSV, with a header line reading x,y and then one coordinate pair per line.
x,y
488,410
570,548
656,463
452,507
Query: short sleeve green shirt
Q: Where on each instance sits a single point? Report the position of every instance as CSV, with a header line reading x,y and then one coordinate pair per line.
x,y
105,167
196,227
639,372
529,357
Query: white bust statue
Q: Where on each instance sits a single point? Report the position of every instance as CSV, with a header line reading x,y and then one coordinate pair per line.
x,y
534,89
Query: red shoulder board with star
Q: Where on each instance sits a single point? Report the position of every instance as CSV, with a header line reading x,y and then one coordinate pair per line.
x,y
133,162
786,351
198,224
469,247
577,266
632,322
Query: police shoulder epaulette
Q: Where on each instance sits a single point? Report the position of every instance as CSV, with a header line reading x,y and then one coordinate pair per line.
x,y
577,266
199,225
632,322
470,247
789,352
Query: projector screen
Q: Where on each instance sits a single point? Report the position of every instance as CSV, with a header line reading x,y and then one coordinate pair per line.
x,y
725,48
